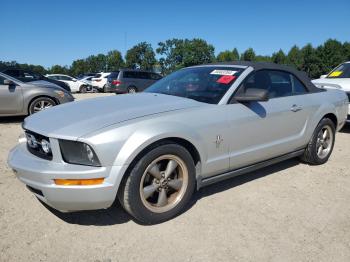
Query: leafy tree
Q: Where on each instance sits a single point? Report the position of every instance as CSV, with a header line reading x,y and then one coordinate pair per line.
x,y
248,55
172,54
141,56
330,54
79,66
262,58
311,61
114,60
57,69
346,50
279,57
197,51
178,53
295,57
228,55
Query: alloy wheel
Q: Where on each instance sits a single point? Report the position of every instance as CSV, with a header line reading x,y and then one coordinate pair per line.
x,y
42,105
324,142
164,183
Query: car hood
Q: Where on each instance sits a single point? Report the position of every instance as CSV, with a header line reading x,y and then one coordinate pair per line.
x,y
43,83
73,120
339,83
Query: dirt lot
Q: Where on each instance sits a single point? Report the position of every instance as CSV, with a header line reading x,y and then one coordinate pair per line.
x,y
287,212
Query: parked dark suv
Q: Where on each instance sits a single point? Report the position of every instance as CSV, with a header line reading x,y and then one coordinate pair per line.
x,y
130,81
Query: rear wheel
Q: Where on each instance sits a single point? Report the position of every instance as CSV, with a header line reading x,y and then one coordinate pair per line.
x,y
321,144
132,89
40,104
83,89
160,184
105,89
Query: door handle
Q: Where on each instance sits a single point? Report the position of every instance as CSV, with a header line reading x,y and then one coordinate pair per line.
x,y
296,108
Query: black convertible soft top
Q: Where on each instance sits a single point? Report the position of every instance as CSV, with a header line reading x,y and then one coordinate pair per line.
x,y
302,76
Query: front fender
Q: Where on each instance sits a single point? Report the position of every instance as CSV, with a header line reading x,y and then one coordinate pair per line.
x,y
144,137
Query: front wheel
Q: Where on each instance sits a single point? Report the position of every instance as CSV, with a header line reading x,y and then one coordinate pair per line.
x,y
321,144
160,184
40,104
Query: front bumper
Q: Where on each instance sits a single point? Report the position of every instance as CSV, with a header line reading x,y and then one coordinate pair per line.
x,y
39,174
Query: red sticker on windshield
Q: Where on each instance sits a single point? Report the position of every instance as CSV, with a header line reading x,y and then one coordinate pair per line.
x,y
225,79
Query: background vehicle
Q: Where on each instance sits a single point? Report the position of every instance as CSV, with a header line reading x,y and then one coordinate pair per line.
x,y
74,84
130,81
28,76
88,81
81,76
99,81
339,78
19,98
197,126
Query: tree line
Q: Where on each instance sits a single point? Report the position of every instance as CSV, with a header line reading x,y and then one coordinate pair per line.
x,y
174,54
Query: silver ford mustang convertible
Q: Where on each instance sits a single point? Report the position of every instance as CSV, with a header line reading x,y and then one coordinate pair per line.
x,y
197,126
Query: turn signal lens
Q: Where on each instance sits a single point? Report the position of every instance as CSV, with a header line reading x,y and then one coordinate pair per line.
x,y
79,182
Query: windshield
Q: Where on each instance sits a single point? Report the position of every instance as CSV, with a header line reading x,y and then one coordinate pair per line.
x,y
206,84
342,71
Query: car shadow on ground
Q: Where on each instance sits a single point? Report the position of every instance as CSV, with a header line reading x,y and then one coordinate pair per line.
x,y
11,119
116,214
345,129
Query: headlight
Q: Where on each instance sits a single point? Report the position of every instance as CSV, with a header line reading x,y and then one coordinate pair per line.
x,y
59,93
79,153
38,145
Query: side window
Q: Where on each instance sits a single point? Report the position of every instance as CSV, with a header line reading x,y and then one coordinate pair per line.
x,y
143,75
66,78
298,87
281,84
130,74
155,76
277,83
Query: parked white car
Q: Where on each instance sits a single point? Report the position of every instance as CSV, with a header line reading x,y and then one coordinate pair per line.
x,y
338,78
100,80
74,84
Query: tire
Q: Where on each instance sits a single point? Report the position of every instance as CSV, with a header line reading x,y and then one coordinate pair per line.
x,y
82,89
105,89
176,186
321,144
132,89
40,103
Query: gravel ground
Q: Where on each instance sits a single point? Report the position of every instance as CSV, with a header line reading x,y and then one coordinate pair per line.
x,y
286,212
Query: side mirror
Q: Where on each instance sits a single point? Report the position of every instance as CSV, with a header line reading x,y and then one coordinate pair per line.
x,y
323,76
252,94
9,82
74,80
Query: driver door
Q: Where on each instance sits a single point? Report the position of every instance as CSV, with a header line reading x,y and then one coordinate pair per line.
x,y
262,130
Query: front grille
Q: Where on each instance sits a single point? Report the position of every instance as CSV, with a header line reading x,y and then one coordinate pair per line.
x,y
34,145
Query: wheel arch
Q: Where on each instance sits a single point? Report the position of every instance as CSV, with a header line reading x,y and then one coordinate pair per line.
x,y
190,147
332,117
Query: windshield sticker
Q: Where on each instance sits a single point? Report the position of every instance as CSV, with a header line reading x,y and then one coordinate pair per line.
x,y
336,73
226,79
223,72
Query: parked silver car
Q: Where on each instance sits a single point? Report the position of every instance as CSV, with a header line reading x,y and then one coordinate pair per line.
x,y
20,98
197,126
